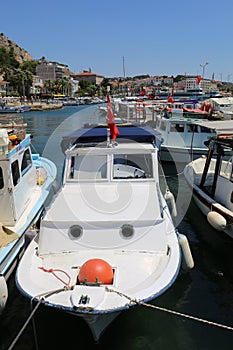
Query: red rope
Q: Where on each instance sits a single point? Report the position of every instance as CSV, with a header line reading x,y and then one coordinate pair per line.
x,y
54,274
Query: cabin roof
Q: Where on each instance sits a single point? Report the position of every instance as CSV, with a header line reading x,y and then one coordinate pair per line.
x,y
221,127
98,133
222,100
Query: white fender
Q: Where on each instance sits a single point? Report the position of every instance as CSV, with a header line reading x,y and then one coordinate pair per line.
x,y
3,293
170,200
216,220
187,261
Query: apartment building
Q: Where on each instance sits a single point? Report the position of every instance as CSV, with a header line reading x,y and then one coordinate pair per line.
x,y
51,70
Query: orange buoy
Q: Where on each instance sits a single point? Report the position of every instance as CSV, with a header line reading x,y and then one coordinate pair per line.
x,y
96,270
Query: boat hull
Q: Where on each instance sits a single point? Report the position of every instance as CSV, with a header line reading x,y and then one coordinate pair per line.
x,y
11,253
114,299
205,203
111,215
180,154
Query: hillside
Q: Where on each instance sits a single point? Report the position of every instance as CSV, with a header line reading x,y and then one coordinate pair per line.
x,y
20,54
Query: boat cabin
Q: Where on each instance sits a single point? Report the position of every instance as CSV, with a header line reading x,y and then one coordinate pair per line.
x,y
180,131
106,185
107,162
17,173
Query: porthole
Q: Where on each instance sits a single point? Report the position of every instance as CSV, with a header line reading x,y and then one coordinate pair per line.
x,y
127,230
75,231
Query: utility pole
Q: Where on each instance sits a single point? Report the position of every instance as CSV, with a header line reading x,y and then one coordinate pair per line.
x,y
203,69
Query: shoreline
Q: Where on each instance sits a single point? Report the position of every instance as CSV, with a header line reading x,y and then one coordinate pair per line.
x,y
42,106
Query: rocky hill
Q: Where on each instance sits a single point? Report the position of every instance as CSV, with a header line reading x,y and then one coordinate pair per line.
x,y
20,54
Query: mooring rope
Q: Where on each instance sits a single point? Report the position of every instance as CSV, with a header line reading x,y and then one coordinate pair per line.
x,y
132,300
41,298
25,325
170,311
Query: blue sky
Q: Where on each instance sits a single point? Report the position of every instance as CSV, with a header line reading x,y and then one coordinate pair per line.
x,y
154,37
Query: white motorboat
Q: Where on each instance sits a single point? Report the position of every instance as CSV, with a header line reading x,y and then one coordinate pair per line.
x,y
25,183
210,178
108,239
183,139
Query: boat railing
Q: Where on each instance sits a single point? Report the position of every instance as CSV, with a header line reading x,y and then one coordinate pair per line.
x,y
14,125
12,132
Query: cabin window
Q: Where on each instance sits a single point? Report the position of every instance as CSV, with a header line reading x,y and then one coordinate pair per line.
x,y
86,167
163,125
176,127
1,179
172,127
15,172
206,130
226,169
180,127
192,128
132,166
26,162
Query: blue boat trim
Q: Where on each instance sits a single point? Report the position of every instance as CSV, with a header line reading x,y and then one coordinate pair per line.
x,y
98,133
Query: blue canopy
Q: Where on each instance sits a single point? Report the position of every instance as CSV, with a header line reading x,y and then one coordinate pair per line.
x,y
98,133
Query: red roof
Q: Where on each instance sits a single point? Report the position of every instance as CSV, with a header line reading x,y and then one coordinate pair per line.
x,y
87,74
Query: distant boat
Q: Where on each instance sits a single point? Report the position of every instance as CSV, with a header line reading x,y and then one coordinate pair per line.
x,y
9,109
210,179
25,183
196,93
183,138
108,238
14,109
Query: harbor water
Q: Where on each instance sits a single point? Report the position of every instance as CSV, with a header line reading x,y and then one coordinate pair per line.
x,y
205,292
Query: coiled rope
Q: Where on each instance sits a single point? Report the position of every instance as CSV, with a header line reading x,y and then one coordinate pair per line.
x,y
170,311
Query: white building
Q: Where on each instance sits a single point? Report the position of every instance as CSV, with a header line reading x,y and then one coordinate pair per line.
x,y
37,85
74,86
3,87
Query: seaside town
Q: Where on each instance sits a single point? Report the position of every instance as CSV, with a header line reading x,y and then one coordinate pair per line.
x,y
25,79
116,193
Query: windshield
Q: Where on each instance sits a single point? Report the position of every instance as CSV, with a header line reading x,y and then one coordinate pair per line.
x,y
132,166
125,166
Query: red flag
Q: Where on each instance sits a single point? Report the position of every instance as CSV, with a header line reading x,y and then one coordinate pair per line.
x,y
111,121
198,79
142,93
170,99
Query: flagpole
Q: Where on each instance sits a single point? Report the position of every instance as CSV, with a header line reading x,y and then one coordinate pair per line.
x,y
124,74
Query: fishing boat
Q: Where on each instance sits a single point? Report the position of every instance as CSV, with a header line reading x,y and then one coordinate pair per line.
x,y
108,238
183,138
210,178
25,183
14,109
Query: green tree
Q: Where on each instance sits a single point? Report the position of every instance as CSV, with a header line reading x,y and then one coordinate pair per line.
x,y
30,66
49,86
7,59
